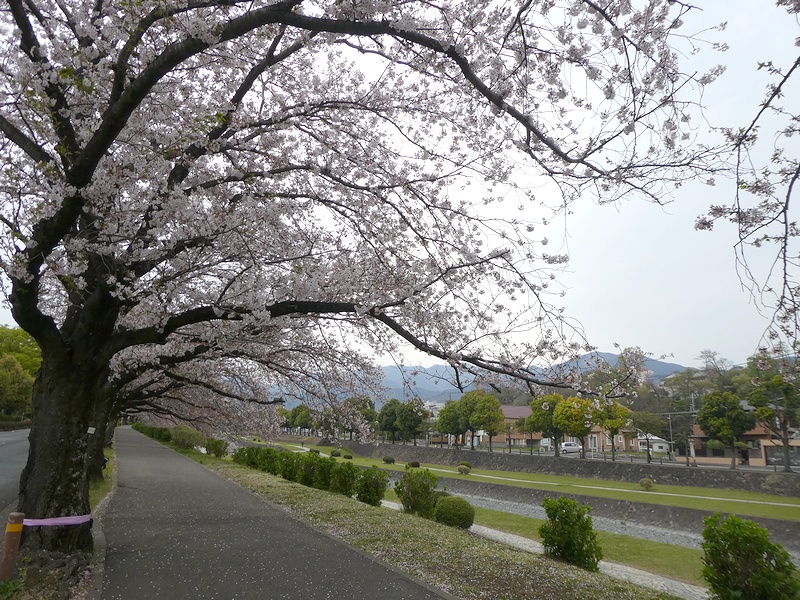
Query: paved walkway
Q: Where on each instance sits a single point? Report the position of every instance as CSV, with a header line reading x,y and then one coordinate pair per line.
x,y
174,530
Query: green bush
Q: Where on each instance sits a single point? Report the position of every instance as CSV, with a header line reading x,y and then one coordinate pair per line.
x,y
348,457
288,466
568,535
307,468
371,486
417,492
741,563
646,484
343,479
162,434
336,453
414,464
187,437
454,512
389,460
463,469
466,464
313,451
218,448
322,477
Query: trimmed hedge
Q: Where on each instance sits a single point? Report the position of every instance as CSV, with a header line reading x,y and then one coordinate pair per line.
x,y
455,512
312,470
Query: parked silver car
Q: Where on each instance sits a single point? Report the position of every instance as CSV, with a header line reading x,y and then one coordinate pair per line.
x,y
569,447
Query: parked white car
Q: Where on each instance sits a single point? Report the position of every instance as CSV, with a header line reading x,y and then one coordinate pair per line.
x,y
570,447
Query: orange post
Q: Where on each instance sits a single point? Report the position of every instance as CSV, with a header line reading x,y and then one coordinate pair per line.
x,y
8,555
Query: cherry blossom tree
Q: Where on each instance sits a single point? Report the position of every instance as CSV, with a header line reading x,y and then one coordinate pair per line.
x,y
248,199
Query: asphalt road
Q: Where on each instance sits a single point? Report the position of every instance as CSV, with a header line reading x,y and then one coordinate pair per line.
x,y
177,531
13,454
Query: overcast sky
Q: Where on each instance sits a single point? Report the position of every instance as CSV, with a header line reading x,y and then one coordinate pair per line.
x,y
639,274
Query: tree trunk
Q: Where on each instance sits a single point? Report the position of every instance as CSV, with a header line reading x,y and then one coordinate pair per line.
x,y
733,458
55,481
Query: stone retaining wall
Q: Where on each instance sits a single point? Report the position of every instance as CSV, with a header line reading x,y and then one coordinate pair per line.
x,y
779,483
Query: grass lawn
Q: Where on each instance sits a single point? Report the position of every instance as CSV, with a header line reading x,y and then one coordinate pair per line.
x,y
675,562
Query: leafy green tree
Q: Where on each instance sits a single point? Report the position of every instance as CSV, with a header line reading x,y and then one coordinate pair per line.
x,y
777,402
387,418
523,428
301,416
575,416
649,424
722,418
16,387
541,418
612,417
21,346
466,407
488,416
410,416
449,420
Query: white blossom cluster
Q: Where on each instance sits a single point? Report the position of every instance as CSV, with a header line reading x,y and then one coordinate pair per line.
x,y
201,193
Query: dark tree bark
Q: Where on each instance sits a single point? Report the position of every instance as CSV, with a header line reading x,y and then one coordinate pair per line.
x,y
54,482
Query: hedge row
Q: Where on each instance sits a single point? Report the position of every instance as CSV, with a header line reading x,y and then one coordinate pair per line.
x,y
313,470
185,437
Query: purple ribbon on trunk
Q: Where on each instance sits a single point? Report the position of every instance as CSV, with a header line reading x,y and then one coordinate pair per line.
x,y
76,520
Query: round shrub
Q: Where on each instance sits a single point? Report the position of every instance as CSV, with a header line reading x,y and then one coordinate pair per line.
x,y
741,563
454,512
568,535
414,464
313,451
336,453
646,483
465,463
389,460
348,457
464,469
371,486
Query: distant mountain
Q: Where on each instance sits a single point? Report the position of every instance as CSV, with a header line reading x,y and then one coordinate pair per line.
x,y
660,369
431,384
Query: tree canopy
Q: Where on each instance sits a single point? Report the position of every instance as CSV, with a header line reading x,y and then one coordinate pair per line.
x,y
723,418
201,255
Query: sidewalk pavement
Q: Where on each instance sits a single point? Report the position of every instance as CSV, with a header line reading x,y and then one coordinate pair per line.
x,y
177,531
